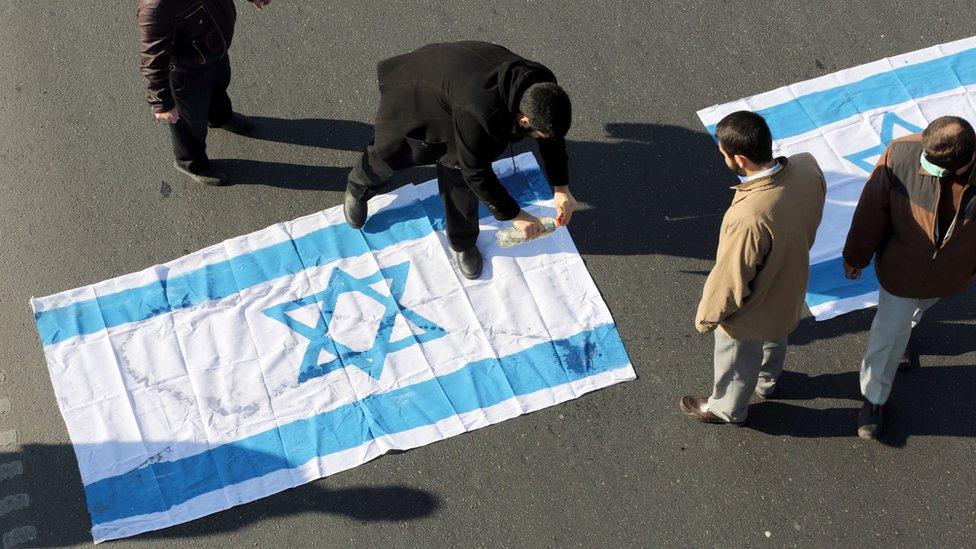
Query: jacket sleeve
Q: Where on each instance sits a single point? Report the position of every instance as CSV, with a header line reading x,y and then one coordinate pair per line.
x,y
872,217
555,160
742,249
156,28
471,139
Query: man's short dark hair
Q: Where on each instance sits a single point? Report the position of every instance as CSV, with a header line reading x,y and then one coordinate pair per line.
x,y
746,133
949,142
549,108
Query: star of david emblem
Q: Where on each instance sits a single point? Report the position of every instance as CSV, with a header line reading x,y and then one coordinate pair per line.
x,y
888,124
370,360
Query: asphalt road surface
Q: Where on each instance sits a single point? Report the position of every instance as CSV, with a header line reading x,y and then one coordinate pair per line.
x,y
87,193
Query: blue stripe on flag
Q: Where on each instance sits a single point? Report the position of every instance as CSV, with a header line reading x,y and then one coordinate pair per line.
x,y
808,112
226,278
827,282
159,486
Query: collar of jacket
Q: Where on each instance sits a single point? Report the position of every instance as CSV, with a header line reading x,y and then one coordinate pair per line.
x,y
971,180
743,189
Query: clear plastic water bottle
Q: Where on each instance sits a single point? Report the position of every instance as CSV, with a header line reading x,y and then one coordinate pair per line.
x,y
512,236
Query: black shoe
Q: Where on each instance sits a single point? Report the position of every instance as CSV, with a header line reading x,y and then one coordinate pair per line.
x,y
870,421
238,123
211,178
470,262
354,210
910,360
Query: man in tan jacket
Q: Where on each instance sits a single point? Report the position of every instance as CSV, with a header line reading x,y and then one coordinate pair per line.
x,y
753,297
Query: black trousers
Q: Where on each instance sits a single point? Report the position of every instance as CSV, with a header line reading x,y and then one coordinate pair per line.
x,y
201,98
460,208
371,173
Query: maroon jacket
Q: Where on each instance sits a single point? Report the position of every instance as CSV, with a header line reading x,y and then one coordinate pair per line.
x,y
895,221
181,35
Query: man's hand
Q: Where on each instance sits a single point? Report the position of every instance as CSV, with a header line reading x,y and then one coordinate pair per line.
x,y
851,273
260,4
172,116
565,205
529,224
704,326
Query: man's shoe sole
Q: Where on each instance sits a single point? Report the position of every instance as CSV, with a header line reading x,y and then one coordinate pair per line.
x,y
201,179
868,432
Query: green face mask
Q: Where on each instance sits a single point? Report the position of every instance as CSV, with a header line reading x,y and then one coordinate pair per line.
x,y
932,169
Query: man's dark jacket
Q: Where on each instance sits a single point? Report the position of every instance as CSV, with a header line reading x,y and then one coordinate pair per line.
x,y
895,222
181,35
457,102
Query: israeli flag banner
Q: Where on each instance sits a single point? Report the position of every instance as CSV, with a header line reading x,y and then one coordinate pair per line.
x,y
290,354
847,120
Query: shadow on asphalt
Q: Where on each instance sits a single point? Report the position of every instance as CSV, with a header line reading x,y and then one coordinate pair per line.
x,y
929,401
59,512
667,186
945,330
283,175
924,402
666,183
323,133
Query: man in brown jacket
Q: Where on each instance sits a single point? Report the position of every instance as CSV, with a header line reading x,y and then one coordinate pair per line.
x,y
753,297
184,63
916,219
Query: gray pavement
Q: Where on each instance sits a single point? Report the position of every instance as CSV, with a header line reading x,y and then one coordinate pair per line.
x,y
87,193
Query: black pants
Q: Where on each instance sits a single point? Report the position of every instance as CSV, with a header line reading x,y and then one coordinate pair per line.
x,y
371,173
200,97
460,208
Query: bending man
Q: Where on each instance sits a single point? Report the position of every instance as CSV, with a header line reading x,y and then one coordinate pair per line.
x,y
460,105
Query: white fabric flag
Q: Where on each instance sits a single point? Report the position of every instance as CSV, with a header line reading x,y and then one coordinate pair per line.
x,y
308,348
846,120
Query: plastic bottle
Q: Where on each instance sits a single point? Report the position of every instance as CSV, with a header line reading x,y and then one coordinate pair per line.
x,y
512,236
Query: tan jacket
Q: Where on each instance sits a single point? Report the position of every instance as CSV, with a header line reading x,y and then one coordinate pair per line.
x,y
755,291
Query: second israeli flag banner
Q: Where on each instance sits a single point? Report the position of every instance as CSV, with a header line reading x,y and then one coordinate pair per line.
x,y
846,120
308,348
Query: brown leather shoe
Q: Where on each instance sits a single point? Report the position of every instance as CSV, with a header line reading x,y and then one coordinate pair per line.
x,y
694,407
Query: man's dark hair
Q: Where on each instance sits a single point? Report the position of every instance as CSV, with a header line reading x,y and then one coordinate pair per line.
x,y
949,142
549,108
746,133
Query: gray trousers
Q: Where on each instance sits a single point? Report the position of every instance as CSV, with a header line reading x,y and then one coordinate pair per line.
x,y
890,331
742,367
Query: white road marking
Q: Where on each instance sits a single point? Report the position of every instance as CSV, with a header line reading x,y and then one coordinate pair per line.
x,y
19,536
11,469
13,503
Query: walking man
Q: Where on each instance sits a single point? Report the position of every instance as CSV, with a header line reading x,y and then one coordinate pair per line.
x,y
186,70
753,297
916,219
460,105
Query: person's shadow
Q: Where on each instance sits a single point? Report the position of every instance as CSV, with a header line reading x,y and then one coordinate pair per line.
x,y
320,133
649,189
662,186
344,135
928,401
60,515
